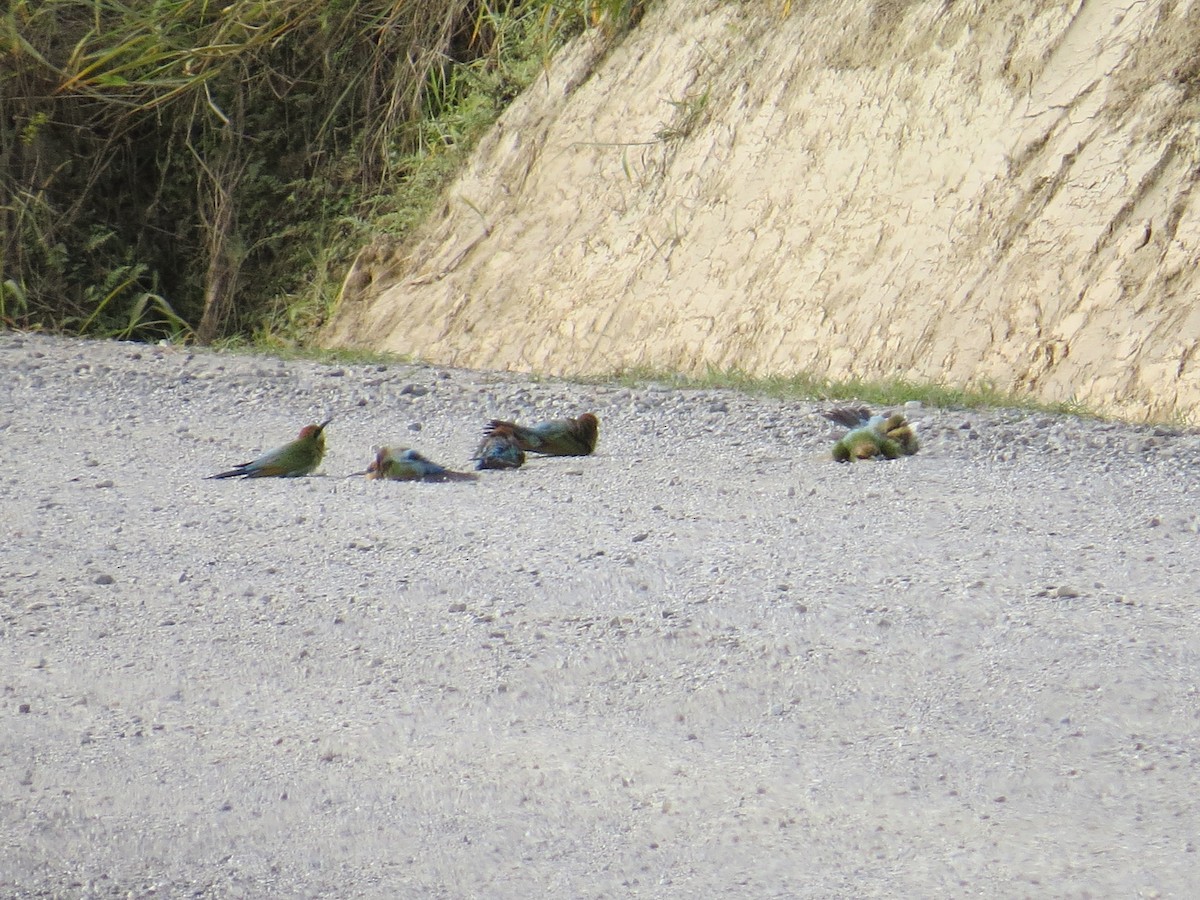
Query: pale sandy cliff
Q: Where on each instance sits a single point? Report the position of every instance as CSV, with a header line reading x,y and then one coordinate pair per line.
x,y
950,191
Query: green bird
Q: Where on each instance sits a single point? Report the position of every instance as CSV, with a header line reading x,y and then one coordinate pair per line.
x,y
403,464
560,437
299,457
872,435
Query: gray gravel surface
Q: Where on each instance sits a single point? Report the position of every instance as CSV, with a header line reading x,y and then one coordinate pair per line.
x,y
706,661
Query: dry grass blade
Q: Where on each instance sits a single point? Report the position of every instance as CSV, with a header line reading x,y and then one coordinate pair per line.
x,y
217,149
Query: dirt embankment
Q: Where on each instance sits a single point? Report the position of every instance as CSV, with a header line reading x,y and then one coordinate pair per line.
x,y
955,192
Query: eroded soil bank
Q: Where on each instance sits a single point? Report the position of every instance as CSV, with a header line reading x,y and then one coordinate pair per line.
x,y
995,192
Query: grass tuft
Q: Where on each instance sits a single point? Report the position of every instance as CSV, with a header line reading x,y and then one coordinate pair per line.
x,y
880,393
802,387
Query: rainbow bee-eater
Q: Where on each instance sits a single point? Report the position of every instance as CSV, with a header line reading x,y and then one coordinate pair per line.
x,y
499,450
291,460
872,435
560,437
403,464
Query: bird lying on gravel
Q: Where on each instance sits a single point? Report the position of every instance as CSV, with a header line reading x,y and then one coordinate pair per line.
x,y
291,460
499,449
560,437
871,435
403,464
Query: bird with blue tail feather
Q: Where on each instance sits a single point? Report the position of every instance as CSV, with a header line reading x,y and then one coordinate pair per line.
x,y
404,464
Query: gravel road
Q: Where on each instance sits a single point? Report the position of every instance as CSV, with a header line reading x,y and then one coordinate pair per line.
x,y
706,661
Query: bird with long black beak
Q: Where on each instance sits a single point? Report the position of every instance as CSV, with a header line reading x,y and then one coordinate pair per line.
x,y
299,457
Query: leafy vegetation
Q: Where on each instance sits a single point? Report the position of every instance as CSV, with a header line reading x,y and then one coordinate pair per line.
x,y
187,169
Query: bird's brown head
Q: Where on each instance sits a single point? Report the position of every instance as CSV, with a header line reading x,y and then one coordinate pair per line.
x,y
587,427
379,466
308,432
